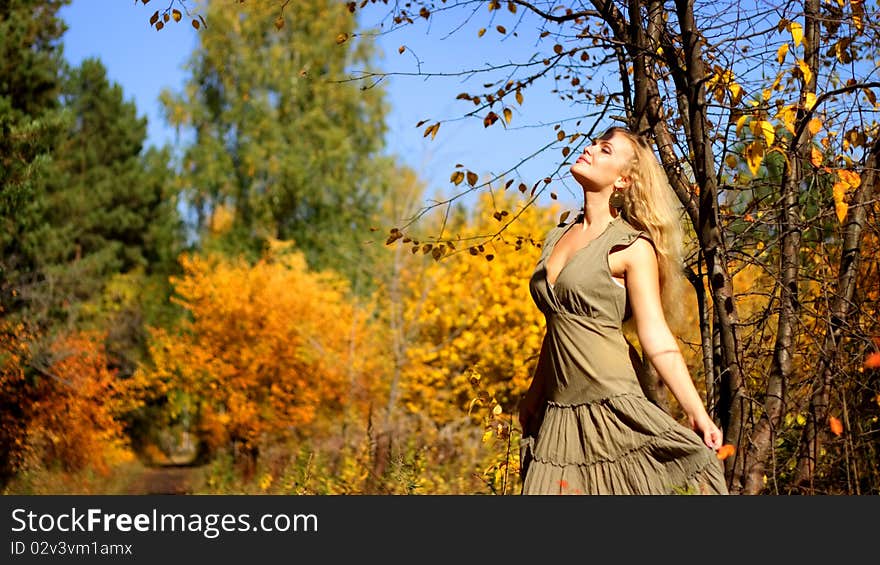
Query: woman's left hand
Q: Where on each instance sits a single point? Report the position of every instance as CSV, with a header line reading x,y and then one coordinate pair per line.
x,y
712,436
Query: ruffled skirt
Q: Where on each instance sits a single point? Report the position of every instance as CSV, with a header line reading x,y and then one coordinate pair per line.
x,y
623,444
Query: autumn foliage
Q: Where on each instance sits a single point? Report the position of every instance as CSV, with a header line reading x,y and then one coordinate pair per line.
x,y
265,349
474,311
62,404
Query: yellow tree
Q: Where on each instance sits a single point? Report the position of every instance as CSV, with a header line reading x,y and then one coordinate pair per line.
x,y
469,307
265,349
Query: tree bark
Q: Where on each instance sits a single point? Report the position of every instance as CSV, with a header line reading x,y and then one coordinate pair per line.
x,y
815,433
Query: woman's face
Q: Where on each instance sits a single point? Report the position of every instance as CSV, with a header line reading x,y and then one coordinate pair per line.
x,y
602,164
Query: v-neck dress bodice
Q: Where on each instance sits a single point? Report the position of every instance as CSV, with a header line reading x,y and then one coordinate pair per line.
x,y
597,433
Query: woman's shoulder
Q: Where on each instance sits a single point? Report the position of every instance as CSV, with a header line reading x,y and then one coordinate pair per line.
x,y
630,233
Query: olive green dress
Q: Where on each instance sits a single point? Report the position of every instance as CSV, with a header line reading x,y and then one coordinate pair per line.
x,y
597,433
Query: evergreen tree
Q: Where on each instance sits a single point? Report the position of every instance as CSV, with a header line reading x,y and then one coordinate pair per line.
x,y
30,116
110,206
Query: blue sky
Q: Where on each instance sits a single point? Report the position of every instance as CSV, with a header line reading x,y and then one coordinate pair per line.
x,y
144,62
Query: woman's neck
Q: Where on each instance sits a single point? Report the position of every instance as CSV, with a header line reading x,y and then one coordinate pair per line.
x,y
596,209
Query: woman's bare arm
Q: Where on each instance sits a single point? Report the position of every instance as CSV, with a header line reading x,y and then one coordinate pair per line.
x,y
658,343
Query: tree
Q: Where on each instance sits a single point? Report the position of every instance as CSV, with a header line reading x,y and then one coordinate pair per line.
x,y
265,350
279,143
30,61
109,204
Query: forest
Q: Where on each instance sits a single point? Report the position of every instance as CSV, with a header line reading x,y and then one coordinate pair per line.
x,y
278,307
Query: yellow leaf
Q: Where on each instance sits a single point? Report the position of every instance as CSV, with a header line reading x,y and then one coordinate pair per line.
x,y
754,155
176,15
497,410
816,157
768,131
851,178
736,91
872,361
457,177
195,24
508,115
805,70
841,207
797,33
781,53
835,425
401,49
481,32
801,419
487,436
740,123
154,18
341,38
815,126
810,101
519,97
279,22
788,115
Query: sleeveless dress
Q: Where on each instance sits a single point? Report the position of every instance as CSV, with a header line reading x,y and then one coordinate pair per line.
x,y
596,432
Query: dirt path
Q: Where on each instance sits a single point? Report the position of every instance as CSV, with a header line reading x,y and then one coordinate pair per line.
x,y
170,479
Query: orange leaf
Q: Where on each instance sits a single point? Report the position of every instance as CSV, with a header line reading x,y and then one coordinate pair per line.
x,y
872,361
725,451
836,426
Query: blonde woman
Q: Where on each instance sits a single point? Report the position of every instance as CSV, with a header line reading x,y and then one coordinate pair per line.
x,y
587,426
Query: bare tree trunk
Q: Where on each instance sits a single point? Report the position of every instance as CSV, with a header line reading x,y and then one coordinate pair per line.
x,y
731,401
706,342
781,370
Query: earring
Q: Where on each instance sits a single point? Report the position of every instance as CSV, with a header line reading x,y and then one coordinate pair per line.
x,y
616,199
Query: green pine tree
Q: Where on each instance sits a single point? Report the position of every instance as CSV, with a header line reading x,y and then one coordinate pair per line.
x,y
110,206
30,117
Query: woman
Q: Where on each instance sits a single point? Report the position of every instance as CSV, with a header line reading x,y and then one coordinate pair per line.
x,y
587,426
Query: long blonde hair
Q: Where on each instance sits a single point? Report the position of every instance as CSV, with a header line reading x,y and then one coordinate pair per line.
x,y
651,205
